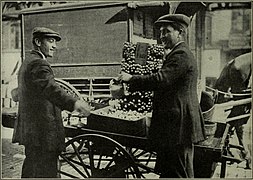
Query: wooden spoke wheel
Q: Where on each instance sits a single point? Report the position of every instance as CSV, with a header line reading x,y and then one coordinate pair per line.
x,y
97,156
71,90
145,160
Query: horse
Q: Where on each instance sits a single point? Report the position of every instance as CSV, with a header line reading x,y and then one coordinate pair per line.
x,y
235,82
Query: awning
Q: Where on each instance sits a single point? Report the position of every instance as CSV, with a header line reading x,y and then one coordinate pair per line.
x,y
119,17
213,6
123,14
136,5
189,8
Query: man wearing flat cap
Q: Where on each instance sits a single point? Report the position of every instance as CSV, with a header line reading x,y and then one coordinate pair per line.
x,y
39,125
177,120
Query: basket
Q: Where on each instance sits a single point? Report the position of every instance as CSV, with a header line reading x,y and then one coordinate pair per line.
x,y
8,119
210,128
208,115
116,89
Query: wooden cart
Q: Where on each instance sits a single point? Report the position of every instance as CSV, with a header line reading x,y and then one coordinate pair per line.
x,y
92,153
102,153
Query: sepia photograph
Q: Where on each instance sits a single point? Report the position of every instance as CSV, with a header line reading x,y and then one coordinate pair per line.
x,y
126,89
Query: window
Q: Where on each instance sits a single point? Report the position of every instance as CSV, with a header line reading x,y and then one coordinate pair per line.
x,y
228,29
11,35
138,22
143,25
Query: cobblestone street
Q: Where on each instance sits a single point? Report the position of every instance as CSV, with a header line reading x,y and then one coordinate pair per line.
x,y
12,156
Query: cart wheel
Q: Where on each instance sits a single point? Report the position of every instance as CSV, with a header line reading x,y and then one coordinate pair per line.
x,y
71,90
97,156
145,160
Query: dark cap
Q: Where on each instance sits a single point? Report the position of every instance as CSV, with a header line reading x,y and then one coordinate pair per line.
x,y
46,32
173,18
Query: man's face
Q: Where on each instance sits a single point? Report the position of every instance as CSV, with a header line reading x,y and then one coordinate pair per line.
x,y
169,36
48,46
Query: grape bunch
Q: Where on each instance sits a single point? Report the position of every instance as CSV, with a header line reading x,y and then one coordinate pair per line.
x,y
154,59
140,101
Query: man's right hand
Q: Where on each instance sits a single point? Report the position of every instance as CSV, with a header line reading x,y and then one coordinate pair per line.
x,y
82,107
125,77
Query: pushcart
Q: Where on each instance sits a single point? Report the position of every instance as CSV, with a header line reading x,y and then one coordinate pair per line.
x,y
98,153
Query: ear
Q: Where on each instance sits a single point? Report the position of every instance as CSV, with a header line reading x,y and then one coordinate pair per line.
x,y
37,42
179,33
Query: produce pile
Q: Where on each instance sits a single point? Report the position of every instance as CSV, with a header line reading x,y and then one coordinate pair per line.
x,y
125,115
140,101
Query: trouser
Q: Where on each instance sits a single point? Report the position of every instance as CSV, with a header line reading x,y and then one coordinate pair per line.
x,y
39,163
176,162
239,130
239,133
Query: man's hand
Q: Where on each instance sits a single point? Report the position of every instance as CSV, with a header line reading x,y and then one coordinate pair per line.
x,y
14,94
125,77
229,95
82,107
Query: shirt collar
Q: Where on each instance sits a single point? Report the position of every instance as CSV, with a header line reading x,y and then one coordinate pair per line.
x,y
180,42
168,51
40,53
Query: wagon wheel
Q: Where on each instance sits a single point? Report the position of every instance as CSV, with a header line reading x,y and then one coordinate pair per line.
x,y
94,156
68,88
145,160
71,90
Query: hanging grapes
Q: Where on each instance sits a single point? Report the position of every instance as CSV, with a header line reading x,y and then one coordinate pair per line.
x,y
140,101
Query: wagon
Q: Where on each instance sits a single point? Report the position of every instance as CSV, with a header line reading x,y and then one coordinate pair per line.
x,y
101,151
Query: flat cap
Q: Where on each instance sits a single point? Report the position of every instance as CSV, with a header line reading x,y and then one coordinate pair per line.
x,y
46,32
174,18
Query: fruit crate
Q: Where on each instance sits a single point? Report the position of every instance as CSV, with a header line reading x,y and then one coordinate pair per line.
x,y
112,120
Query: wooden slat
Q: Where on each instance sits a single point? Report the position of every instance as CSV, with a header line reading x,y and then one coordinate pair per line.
x,y
88,85
86,78
235,103
102,96
80,85
101,84
238,117
100,90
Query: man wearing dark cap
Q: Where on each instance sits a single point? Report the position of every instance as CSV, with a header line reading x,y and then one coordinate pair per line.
x,y
39,125
177,120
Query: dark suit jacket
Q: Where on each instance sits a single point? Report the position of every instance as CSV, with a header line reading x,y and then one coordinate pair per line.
x,y
177,118
40,103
